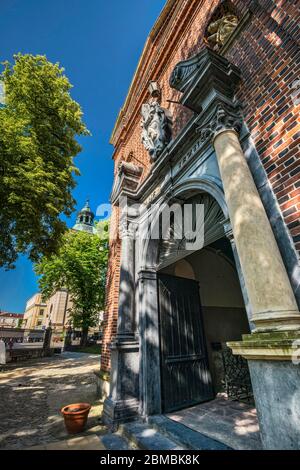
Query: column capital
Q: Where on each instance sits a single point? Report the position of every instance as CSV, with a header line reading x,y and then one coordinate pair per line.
x,y
223,117
128,230
147,273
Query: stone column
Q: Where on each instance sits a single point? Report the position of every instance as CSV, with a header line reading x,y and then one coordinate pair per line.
x,y
272,349
122,403
269,290
150,388
229,235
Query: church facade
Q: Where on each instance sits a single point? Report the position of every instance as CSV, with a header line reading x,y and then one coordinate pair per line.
x,y
211,120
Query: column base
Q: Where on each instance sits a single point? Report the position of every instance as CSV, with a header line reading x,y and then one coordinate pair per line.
x,y
275,346
284,320
117,412
277,397
274,359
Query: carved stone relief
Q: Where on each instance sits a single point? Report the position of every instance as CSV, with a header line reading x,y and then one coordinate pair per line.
x,y
223,117
222,25
156,126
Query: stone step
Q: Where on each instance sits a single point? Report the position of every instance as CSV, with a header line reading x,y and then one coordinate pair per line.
x,y
183,435
115,441
145,437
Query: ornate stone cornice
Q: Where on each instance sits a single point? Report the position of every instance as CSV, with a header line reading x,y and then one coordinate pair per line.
x,y
222,117
127,178
185,71
203,78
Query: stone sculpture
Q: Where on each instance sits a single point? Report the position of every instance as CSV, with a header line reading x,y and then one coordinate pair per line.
x,y
156,126
220,30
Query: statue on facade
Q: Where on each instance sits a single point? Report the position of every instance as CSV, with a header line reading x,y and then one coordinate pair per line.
x,y
222,26
156,124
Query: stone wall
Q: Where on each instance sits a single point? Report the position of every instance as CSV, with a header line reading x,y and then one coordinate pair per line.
x,y
266,49
20,355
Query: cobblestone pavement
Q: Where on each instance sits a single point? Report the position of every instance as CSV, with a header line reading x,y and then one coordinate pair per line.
x,y
33,393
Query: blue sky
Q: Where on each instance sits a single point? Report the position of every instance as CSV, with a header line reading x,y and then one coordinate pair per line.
x,y
98,42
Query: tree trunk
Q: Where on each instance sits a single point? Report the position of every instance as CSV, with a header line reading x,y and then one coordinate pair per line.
x,y
84,337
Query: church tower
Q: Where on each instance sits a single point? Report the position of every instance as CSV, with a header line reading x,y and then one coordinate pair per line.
x,y
85,219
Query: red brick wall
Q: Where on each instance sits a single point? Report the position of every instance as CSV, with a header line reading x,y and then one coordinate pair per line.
x,y
267,52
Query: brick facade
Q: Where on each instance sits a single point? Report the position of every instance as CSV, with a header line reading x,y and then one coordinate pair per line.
x,y
267,52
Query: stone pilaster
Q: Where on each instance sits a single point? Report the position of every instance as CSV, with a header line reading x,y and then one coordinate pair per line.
x,y
150,349
122,403
126,318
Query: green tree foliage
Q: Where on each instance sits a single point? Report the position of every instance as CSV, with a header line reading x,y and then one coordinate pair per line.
x,y
39,122
80,266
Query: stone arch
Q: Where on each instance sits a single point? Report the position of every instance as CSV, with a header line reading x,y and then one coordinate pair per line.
x,y
183,191
148,310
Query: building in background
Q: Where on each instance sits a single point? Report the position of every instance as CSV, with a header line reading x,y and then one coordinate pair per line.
x,y
11,320
55,312
35,312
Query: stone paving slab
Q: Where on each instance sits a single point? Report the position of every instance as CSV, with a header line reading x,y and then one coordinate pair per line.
x,y
233,423
145,437
113,441
184,435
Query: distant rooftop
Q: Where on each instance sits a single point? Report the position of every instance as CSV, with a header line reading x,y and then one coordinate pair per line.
x,y
11,315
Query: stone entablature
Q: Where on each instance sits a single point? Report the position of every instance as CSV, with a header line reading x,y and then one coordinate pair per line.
x,y
127,179
218,111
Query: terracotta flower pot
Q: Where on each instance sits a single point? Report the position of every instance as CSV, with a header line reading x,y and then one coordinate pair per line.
x,y
75,416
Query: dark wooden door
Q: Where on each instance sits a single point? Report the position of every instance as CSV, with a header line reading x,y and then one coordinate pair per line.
x,y
185,375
